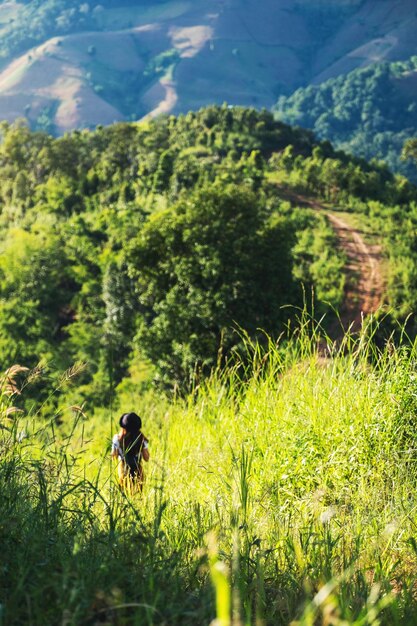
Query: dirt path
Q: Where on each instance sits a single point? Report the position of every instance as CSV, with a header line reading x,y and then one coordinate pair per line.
x,y
364,286
364,278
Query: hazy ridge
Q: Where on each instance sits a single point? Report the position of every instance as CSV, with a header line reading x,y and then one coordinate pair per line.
x,y
68,65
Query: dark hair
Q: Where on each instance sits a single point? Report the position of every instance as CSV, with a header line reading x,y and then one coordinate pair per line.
x,y
131,423
132,439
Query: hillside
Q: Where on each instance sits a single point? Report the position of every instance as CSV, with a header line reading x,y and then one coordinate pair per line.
x,y
370,112
146,247
190,268
68,65
364,285
287,498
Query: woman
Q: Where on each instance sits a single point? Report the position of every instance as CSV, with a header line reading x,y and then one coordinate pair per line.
x,y
130,446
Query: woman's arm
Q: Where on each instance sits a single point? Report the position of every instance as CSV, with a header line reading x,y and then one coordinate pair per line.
x,y
115,447
145,451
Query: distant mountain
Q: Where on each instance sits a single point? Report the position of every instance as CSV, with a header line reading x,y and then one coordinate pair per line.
x,y
67,64
369,112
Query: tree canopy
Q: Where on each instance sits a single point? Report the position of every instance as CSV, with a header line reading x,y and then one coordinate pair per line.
x,y
162,242
370,112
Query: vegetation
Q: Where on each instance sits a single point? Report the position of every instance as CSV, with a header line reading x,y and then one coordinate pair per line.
x,y
284,498
151,247
34,21
213,260
69,41
29,24
388,205
359,112
150,242
280,481
280,487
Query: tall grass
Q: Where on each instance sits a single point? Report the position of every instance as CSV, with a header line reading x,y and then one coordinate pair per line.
x,y
285,495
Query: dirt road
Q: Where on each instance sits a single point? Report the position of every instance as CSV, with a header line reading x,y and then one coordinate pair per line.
x,y
364,286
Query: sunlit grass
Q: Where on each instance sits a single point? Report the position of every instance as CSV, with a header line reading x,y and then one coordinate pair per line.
x,y
286,488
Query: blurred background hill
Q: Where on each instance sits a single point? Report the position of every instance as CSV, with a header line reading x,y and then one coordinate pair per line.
x,y
67,64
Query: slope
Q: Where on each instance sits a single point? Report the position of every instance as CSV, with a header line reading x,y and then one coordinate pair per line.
x,y
370,112
180,55
152,241
364,287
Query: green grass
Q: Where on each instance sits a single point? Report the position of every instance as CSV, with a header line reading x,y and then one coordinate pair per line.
x,y
276,494
358,221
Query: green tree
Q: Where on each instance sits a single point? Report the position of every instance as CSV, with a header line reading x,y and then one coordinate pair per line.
x,y
410,150
214,261
35,297
164,171
119,319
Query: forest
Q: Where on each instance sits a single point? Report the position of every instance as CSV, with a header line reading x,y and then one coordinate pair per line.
x,y
33,21
358,112
165,267
158,243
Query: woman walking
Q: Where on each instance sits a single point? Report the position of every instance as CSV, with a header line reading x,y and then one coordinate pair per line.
x,y
129,447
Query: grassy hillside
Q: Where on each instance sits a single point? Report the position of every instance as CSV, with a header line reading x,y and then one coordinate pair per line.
x,y
71,65
284,498
281,483
370,112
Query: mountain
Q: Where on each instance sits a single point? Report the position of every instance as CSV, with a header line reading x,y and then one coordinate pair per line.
x,y
370,112
67,64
